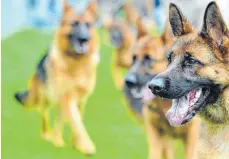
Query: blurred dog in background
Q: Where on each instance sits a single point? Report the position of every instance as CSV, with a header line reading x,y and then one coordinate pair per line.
x,y
150,59
66,76
197,79
123,35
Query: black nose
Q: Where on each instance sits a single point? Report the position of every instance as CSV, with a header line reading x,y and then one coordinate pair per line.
x,y
131,80
83,39
158,85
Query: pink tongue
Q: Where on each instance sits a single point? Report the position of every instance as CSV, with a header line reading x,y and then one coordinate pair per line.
x,y
147,95
191,97
175,119
176,113
85,47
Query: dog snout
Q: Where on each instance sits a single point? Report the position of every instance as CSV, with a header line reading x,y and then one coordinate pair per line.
x,y
159,85
82,33
131,80
83,36
83,39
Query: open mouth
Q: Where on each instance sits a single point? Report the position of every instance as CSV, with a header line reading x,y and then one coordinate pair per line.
x,y
81,46
137,96
142,93
136,92
186,107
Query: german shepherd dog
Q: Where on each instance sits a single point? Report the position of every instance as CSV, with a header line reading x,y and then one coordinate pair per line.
x,y
123,34
122,37
149,59
65,77
197,79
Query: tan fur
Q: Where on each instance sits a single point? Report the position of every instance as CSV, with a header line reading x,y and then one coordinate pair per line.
x,y
210,46
160,134
123,54
131,13
71,79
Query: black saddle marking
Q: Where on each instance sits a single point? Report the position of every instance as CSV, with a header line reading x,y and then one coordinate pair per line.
x,y
41,68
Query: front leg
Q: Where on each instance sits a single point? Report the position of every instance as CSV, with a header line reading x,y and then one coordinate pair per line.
x,y
192,138
58,125
169,147
155,140
45,134
81,141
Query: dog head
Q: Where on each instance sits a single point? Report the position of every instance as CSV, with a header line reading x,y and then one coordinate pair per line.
x,y
122,34
149,59
197,71
76,30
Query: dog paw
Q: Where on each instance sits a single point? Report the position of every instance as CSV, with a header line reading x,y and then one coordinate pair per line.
x,y
85,147
58,142
46,136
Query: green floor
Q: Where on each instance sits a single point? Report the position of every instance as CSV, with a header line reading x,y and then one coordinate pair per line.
x,y
116,135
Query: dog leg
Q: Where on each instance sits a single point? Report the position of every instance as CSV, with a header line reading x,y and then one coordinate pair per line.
x,y
58,125
192,138
82,141
81,106
169,148
46,135
155,141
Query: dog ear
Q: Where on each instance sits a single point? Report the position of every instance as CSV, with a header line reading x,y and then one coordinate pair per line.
x,y
167,36
66,6
180,25
131,13
213,24
142,30
93,9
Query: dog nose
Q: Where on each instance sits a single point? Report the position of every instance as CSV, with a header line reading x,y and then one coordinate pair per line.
x,y
131,80
157,85
83,39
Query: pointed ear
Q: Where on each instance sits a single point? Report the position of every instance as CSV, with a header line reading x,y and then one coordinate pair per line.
x,y
213,24
167,36
142,30
93,9
179,24
66,6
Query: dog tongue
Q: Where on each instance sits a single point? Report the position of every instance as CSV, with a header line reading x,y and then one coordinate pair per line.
x,y
191,97
147,94
85,47
176,113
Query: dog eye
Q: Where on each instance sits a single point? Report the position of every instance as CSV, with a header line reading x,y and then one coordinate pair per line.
x,y
189,60
88,24
69,36
75,23
147,57
134,58
170,57
147,60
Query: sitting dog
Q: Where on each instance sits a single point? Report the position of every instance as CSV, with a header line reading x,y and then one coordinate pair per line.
x,y
149,59
66,76
197,79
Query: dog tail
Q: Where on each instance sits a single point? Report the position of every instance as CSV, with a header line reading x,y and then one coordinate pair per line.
x,y
21,96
